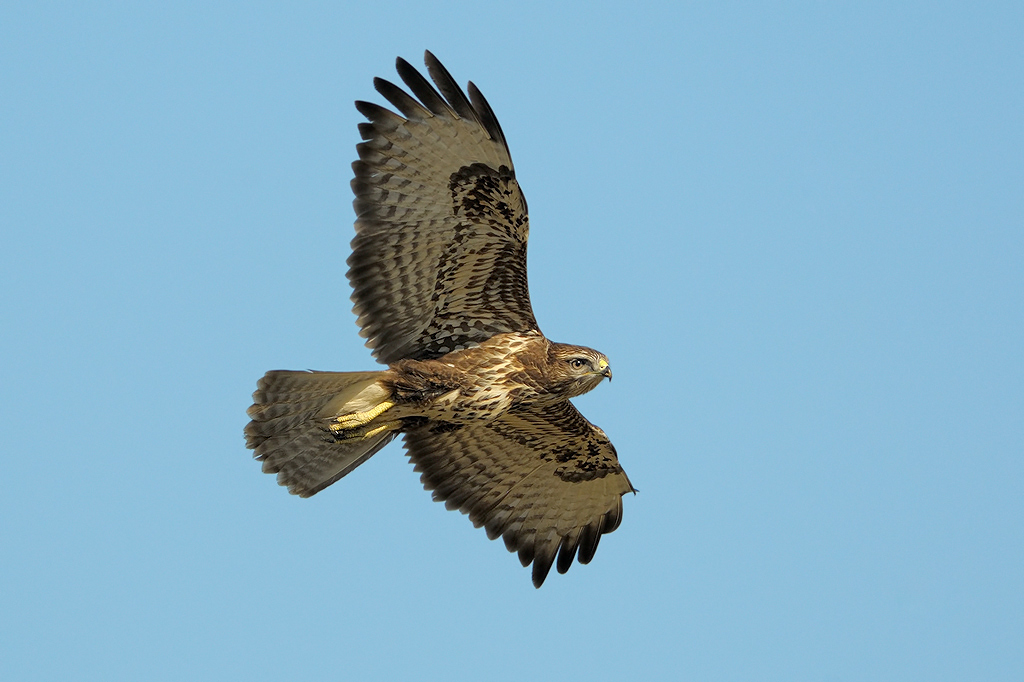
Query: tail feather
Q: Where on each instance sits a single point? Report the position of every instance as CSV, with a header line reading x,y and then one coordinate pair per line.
x,y
289,430
282,385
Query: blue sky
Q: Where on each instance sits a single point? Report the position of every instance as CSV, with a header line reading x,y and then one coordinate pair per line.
x,y
795,229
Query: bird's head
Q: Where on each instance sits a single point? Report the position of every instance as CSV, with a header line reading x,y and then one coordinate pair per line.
x,y
575,370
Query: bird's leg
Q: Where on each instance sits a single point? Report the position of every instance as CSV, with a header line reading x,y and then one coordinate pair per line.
x,y
350,421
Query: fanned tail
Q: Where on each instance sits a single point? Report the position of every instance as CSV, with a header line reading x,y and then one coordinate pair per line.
x,y
295,428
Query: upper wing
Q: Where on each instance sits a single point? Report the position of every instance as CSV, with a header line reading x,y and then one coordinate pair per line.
x,y
544,478
439,258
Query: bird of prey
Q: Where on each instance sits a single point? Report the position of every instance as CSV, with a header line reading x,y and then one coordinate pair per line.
x,y
480,396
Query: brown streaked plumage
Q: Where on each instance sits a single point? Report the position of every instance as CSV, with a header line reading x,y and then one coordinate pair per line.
x,y
438,269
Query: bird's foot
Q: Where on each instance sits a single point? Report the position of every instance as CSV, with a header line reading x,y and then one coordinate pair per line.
x,y
366,431
392,425
351,421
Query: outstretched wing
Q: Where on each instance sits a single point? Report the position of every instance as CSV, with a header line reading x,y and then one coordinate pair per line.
x,y
544,478
439,258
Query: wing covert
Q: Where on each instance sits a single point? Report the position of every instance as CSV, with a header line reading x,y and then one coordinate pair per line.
x,y
543,477
439,258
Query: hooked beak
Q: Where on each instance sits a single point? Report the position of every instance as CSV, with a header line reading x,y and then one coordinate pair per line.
x,y
607,372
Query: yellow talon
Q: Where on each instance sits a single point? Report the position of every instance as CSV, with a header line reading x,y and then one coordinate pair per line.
x,y
386,426
365,432
349,421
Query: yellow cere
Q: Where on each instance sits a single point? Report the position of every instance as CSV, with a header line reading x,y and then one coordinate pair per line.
x,y
601,364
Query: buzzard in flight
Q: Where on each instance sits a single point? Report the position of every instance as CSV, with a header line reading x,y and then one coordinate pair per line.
x,y
480,396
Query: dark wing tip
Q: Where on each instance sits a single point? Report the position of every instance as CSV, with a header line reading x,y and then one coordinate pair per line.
x,y
567,552
422,88
401,100
450,88
375,113
541,570
590,537
487,117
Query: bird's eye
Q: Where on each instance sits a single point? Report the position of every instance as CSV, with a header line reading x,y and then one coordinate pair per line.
x,y
577,363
